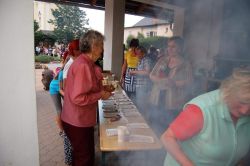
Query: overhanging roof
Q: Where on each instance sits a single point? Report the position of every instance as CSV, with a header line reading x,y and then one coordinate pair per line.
x,y
162,9
150,22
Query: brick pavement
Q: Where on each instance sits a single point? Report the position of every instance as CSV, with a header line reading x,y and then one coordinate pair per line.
x,y
50,143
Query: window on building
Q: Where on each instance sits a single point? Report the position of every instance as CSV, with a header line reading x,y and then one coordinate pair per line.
x,y
151,34
166,30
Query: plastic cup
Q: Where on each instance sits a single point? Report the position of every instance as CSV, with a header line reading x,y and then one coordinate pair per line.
x,y
123,134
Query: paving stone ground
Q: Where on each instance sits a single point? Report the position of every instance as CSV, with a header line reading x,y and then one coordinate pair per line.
x,y
50,143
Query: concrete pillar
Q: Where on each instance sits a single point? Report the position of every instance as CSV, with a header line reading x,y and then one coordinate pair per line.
x,y
178,22
18,120
114,29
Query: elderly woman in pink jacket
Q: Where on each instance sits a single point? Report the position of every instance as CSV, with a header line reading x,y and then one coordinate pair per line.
x,y
82,92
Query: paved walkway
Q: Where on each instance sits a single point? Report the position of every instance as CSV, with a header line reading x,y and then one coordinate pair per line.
x,y
50,143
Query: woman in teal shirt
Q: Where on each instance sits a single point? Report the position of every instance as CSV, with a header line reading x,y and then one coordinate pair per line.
x,y
214,128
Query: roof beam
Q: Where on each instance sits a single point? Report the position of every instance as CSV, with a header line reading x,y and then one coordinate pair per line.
x,y
141,8
93,2
159,4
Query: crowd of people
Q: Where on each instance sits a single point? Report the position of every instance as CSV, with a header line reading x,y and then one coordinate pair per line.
x,y
57,50
211,129
159,85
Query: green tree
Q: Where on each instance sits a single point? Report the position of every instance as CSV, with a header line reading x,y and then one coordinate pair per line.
x,y
36,26
69,22
156,41
140,36
40,36
37,33
129,38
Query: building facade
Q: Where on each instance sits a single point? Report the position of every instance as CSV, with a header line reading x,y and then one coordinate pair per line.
x,y
42,14
149,27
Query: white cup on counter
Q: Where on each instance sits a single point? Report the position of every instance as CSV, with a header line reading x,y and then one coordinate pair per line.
x,y
123,134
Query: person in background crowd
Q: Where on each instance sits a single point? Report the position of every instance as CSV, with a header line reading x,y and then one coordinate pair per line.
x,y
153,54
56,98
45,50
213,128
41,49
37,50
61,83
161,53
143,83
65,56
62,50
82,92
172,79
73,52
129,64
47,77
50,49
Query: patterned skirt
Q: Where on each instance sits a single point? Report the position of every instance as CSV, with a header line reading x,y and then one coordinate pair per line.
x,y
130,81
67,150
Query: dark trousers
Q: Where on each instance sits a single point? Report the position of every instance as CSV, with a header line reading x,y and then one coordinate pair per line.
x,y
82,141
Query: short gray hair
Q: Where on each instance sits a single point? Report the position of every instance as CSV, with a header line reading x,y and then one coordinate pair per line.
x,y
89,39
237,85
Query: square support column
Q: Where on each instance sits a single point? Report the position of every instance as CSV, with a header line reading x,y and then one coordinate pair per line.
x,y
18,121
114,29
178,22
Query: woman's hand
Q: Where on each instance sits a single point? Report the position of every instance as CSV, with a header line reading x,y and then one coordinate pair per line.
x,y
105,95
122,81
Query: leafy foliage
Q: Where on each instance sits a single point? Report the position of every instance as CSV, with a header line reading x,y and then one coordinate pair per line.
x,y
157,41
41,37
69,22
46,58
140,36
36,26
37,33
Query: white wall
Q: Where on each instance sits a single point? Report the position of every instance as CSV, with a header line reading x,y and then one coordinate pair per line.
x,y
18,120
131,31
161,30
45,13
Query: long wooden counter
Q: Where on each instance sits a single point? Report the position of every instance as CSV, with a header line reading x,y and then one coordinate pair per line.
x,y
129,116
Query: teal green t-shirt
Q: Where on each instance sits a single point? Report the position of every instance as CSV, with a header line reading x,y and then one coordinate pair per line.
x,y
220,142
54,84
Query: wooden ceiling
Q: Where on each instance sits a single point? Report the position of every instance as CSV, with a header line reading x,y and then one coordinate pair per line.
x,y
144,8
